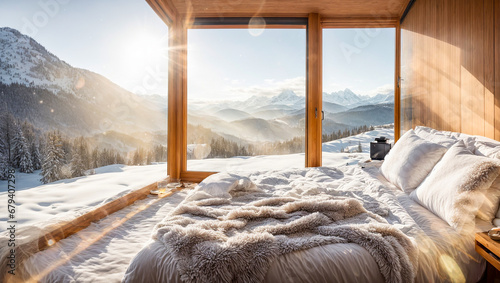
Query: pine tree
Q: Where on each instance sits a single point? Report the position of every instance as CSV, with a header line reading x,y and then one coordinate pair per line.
x,y
4,166
53,159
21,151
94,159
35,156
25,162
360,149
17,146
77,166
4,163
81,147
7,123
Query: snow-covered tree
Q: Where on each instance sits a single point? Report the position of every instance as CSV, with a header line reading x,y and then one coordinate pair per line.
x,y
25,161
18,146
22,153
94,158
35,156
77,166
4,167
7,124
81,147
53,159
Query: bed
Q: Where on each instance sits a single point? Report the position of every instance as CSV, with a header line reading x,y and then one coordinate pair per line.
x,y
370,222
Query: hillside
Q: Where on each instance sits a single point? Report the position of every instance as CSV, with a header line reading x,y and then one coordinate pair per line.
x,y
39,87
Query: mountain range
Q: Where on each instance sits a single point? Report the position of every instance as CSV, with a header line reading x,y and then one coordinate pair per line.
x,y
51,94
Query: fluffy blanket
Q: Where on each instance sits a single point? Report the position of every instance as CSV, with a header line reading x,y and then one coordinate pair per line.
x,y
235,235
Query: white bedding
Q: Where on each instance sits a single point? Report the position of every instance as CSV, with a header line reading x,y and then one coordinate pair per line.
x,y
444,255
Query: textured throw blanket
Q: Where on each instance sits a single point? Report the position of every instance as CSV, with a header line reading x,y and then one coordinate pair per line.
x,y
235,238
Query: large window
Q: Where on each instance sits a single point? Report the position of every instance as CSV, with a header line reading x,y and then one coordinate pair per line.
x,y
358,91
246,99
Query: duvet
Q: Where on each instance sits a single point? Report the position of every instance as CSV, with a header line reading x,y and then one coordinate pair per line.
x,y
344,224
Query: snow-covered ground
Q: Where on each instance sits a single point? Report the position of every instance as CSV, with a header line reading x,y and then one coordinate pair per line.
x,y
38,205
331,156
110,244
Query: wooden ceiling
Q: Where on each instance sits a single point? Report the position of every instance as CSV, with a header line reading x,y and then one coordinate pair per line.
x,y
288,8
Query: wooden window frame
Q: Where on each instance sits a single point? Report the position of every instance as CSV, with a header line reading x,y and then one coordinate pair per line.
x,y
314,24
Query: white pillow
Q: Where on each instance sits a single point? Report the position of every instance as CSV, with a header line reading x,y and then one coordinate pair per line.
x,y
444,138
455,188
410,161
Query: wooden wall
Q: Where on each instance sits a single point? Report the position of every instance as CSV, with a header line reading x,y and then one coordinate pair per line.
x,y
450,66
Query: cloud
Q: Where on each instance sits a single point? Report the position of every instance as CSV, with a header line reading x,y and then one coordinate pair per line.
x,y
271,87
384,89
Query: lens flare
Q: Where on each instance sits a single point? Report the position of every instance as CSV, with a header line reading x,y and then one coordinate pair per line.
x,y
256,26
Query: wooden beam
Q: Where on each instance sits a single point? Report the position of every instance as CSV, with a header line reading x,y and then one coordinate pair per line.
x,y
314,91
195,176
164,9
25,250
360,22
397,85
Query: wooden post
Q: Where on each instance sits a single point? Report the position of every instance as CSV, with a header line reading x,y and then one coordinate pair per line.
x,y
397,85
175,109
314,91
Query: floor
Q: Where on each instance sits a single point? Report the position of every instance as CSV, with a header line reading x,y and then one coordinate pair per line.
x,y
102,252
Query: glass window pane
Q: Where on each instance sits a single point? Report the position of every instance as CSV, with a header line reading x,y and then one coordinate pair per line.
x,y
358,92
246,99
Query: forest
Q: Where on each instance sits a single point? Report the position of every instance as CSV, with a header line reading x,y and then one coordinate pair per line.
x,y
28,149
221,147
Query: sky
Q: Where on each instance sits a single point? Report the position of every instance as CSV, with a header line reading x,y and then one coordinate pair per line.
x,y
125,41
235,64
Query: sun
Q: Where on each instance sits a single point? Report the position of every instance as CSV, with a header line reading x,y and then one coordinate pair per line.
x,y
144,50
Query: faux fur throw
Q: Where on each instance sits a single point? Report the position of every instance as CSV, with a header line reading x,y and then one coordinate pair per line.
x,y
236,239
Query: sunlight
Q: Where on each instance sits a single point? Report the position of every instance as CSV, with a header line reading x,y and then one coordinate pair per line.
x,y
450,266
143,49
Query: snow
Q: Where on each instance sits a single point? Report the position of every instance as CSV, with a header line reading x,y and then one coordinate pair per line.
x,y
37,204
102,252
331,156
25,56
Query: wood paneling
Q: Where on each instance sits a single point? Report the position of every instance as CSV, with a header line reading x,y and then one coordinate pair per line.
x,y
314,91
449,66
497,69
298,8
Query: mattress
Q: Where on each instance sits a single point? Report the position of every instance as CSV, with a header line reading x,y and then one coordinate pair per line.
x,y
444,255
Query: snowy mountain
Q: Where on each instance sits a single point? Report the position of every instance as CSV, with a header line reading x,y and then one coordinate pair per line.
x,y
343,97
36,85
25,61
287,97
348,98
